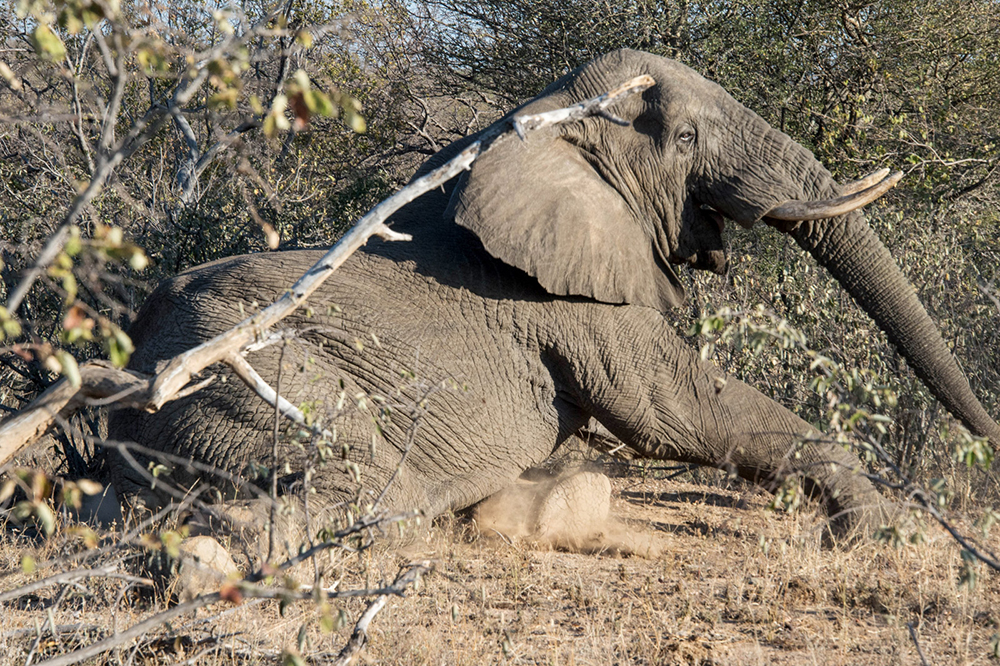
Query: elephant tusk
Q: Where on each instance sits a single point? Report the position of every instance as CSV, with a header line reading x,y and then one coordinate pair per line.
x,y
866,182
803,211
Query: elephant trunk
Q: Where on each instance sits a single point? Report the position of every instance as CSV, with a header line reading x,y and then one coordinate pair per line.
x,y
854,255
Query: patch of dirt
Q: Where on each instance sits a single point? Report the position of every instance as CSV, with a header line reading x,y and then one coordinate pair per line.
x,y
721,580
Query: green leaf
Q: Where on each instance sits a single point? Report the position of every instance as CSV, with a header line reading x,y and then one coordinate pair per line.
x,y
119,347
172,543
92,15
70,370
224,99
7,490
275,120
45,517
356,122
968,575
326,623
138,259
73,246
70,20
9,327
71,495
289,658
33,8
152,60
9,76
319,103
304,38
301,79
70,286
47,43
89,487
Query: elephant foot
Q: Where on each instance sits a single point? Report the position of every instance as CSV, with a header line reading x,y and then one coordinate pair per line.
x,y
568,512
862,519
204,564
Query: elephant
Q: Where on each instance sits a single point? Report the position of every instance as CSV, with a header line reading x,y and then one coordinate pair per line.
x,y
538,294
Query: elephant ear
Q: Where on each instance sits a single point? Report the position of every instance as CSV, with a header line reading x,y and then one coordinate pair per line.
x,y
540,206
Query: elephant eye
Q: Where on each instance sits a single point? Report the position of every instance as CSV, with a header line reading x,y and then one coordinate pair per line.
x,y
686,137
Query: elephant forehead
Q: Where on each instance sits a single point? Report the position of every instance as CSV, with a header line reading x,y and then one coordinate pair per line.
x,y
630,63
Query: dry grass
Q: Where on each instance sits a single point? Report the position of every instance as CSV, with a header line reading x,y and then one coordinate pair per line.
x,y
726,582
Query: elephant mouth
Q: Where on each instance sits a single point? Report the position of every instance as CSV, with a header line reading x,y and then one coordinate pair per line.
x,y
701,244
705,250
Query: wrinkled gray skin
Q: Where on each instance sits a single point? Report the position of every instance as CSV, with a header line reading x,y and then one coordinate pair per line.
x,y
542,282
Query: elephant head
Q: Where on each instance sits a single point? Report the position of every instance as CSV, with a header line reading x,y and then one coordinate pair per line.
x,y
602,210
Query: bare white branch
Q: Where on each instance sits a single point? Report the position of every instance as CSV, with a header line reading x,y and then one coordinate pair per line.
x,y
250,377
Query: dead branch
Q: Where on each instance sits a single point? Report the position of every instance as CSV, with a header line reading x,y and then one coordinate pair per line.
x,y
250,377
189,173
916,643
98,380
151,393
61,629
359,637
134,631
106,571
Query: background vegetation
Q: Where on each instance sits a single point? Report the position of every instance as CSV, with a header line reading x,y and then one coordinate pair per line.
x,y
156,136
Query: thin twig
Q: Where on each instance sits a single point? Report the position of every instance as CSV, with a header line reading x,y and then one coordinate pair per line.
x,y
913,636
273,513
134,631
62,628
359,637
106,571
398,588
417,412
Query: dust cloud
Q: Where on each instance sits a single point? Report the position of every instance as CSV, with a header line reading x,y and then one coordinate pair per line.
x,y
569,512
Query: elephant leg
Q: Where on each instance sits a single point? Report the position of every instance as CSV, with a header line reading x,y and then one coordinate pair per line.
x,y
762,441
739,429
665,402
574,510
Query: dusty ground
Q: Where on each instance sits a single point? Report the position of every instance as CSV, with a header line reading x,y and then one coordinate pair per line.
x,y
725,582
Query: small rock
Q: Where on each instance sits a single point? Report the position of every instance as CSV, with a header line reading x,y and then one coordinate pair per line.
x,y
205,566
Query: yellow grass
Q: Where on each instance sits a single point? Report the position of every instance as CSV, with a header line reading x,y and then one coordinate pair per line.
x,y
726,582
